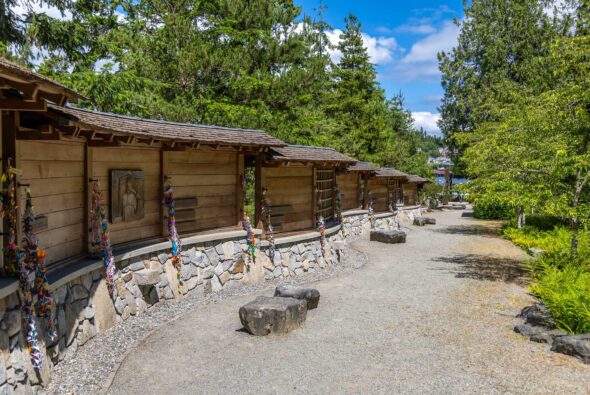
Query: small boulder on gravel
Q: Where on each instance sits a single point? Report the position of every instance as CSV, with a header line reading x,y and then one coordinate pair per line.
x,y
311,295
539,334
537,315
574,345
267,315
460,206
388,236
421,221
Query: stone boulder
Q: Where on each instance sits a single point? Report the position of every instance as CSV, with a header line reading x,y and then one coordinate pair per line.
x,y
430,220
537,315
421,221
539,334
575,345
311,295
460,206
267,315
388,236
147,277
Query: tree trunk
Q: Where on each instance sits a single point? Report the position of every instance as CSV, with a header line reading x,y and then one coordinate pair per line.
x,y
520,217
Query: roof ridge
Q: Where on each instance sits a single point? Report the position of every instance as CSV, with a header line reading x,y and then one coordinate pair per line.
x,y
314,146
161,121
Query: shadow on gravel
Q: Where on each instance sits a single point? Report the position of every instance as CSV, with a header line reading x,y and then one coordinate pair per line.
x,y
469,230
486,268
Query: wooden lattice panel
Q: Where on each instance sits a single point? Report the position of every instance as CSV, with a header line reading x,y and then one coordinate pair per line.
x,y
324,188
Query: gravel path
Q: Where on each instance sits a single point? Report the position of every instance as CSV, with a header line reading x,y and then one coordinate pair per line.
x,y
434,315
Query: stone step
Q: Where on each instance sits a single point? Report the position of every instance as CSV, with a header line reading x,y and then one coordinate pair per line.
x,y
388,236
266,315
311,295
421,221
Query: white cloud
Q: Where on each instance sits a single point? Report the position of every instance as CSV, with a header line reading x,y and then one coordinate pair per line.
x,y
381,50
427,121
421,62
23,7
416,29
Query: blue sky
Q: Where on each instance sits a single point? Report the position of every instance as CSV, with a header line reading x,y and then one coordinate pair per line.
x,y
403,38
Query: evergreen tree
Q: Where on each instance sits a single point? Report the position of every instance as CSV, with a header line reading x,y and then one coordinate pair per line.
x,y
359,102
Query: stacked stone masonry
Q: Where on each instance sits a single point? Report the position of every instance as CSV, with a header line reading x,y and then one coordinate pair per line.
x,y
84,307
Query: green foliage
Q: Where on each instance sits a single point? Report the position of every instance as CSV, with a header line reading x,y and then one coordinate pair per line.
x,y
490,207
566,293
560,279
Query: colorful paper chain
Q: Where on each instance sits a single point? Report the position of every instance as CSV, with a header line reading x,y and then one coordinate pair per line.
x,y
101,239
338,203
247,226
370,210
266,214
176,244
9,211
322,230
33,261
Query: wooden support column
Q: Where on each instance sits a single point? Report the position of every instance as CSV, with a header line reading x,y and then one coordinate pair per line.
x,y
366,192
314,203
240,192
88,161
258,190
163,181
9,127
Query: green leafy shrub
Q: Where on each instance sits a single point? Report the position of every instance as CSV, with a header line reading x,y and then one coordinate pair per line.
x,y
544,222
493,208
566,293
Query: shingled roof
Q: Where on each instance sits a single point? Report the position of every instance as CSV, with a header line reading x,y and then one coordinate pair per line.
x,y
307,153
363,167
165,131
23,75
391,173
413,179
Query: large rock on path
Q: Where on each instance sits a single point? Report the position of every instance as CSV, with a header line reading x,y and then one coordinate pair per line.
x,y
388,236
267,315
311,295
575,345
421,221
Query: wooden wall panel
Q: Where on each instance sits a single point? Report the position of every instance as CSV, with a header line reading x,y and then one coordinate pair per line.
x,y
291,195
410,194
349,185
210,176
103,160
378,189
55,172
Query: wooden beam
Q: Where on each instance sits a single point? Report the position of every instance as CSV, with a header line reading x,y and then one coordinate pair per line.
x,y
16,104
28,90
257,190
240,188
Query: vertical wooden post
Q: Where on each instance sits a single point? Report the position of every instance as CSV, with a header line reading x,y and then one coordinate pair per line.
x,y
239,188
163,174
88,174
314,203
258,190
9,125
366,192
358,188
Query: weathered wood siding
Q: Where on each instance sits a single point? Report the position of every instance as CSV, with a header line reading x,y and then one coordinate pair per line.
x,y
410,194
349,184
212,178
291,195
55,172
103,160
378,189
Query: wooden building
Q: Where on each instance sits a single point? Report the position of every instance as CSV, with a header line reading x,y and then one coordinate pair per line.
x,y
352,183
411,188
61,150
300,183
385,189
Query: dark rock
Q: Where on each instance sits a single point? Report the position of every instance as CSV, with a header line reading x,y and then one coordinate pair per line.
x,y
539,334
267,315
311,295
419,221
430,220
574,345
537,315
458,206
391,236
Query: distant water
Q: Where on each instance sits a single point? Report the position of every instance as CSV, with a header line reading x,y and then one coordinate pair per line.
x,y
456,180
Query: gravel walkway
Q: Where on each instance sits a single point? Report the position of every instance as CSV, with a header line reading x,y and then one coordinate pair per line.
x,y
434,315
